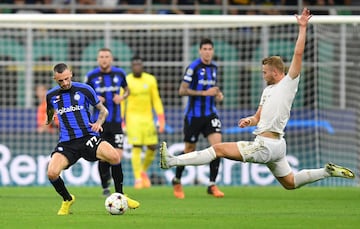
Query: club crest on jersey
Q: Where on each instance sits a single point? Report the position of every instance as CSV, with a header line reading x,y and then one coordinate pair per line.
x,y
116,79
202,71
77,96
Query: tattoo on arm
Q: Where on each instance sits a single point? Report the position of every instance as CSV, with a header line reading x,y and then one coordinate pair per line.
x,y
103,113
50,116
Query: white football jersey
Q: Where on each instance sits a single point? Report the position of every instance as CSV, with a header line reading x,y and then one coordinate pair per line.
x,y
276,101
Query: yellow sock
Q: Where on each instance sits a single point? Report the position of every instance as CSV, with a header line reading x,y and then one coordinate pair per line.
x,y
136,162
149,158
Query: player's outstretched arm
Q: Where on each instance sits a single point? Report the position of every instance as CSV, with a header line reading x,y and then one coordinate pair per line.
x,y
296,62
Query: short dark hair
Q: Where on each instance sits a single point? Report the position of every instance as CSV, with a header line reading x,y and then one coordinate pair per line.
x,y
60,68
136,57
206,41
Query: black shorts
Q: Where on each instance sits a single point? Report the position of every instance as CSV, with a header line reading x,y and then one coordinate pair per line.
x,y
205,125
113,134
84,147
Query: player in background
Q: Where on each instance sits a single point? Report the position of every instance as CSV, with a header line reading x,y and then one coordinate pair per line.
x,y
200,85
79,135
41,117
107,80
269,146
140,107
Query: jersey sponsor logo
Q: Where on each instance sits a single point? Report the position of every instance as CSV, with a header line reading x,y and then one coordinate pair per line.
x,y
107,89
69,109
207,82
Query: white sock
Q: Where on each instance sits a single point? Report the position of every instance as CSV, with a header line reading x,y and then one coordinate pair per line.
x,y
307,176
194,158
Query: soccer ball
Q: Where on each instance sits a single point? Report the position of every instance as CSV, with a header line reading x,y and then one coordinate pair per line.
x,y
116,204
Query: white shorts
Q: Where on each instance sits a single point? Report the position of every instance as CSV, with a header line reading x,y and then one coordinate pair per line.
x,y
268,151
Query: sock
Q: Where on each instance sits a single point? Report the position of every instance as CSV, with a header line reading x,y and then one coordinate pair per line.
x,y
179,170
104,171
118,177
307,176
136,162
148,159
194,158
214,170
61,189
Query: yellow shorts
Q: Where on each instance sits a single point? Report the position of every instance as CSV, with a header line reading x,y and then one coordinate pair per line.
x,y
141,132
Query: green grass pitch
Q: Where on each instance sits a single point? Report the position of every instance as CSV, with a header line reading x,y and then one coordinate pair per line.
x,y
242,207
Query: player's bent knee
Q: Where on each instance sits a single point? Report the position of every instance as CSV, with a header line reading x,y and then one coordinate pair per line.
x,y
289,187
107,153
114,158
52,175
287,182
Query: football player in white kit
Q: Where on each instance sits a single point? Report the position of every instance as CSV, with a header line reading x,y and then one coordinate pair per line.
x,y
270,119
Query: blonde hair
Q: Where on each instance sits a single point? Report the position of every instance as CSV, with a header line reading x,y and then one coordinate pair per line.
x,y
105,50
275,62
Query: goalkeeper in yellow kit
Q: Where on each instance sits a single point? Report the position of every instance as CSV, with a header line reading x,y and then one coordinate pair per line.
x,y
144,100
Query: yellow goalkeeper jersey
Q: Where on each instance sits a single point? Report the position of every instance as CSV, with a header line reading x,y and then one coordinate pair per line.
x,y
144,98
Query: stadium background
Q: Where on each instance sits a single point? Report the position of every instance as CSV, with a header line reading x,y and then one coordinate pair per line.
x,y
324,125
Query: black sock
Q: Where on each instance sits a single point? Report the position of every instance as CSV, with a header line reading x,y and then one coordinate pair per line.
x,y
179,170
61,189
118,177
104,171
214,169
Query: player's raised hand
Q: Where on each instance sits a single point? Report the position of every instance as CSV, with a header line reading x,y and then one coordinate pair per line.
x,y
304,17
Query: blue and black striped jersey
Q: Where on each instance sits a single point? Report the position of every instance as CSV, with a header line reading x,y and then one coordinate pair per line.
x,y
200,77
106,85
72,109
